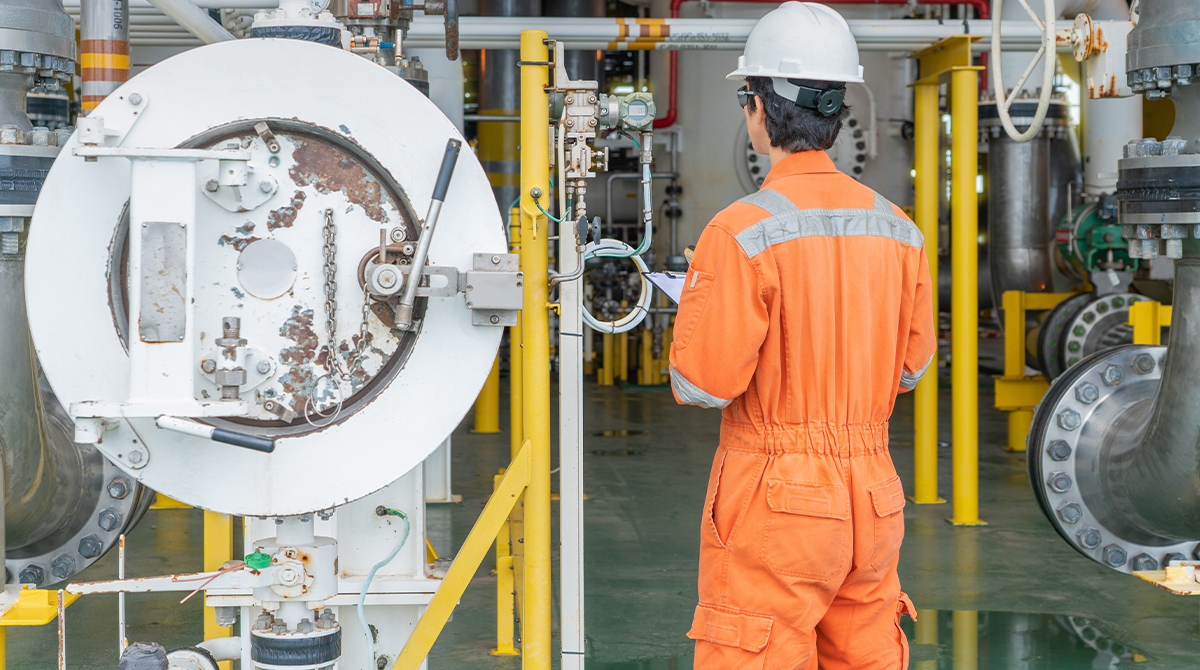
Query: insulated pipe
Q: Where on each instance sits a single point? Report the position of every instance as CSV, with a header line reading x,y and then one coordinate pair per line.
x,y
196,20
104,48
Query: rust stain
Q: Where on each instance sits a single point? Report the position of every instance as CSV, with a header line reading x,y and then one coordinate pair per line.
x,y
245,228
285,216
238,243
299,329
330,170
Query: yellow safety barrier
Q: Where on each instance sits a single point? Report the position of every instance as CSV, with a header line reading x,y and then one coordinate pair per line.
x,y
1017,393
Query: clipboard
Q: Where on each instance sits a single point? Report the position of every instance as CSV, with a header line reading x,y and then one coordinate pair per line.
x,y
670,283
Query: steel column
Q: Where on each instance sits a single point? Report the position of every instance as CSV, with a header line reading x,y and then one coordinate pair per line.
x,y
535,229
925,398
964,262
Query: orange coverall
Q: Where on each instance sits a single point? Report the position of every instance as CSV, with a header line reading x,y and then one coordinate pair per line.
x,y
805,311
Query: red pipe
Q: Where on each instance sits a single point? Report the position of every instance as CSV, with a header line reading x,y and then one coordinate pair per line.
x,y
983,7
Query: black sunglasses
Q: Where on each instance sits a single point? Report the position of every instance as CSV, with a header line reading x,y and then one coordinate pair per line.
x,y
744,96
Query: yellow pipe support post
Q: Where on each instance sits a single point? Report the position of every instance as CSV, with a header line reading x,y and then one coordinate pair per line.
x,y
964,266
925,396
646,358
1017,393
487,405
218,548
505,631
605,377
515,480
622,356
536,648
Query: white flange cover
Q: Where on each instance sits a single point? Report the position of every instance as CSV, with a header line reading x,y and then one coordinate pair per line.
x,y
70,249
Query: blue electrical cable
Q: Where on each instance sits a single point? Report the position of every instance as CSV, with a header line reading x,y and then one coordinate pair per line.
x,y
362,597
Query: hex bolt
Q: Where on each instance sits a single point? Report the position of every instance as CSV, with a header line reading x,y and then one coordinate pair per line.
x,y
1070,512
305,626
1114,555
211,186
135,457
63,566
279,627
32,574
226,617
1173,556
381,661
1113,375
118,488
110,518
1087,393
264,621
1059,450
1144,562
208,366
1060,482
89,547
1068,419
135,98
1089,537
263,367
1144,364
266,186
495,260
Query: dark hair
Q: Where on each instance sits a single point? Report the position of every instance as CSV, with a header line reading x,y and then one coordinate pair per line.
x,y
791,127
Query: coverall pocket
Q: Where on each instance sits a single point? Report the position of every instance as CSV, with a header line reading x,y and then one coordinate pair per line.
x,y
888,501
693,302
903,606
806,529
730,638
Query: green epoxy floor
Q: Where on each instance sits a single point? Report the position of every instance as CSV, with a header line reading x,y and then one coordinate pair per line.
x,y
1039,604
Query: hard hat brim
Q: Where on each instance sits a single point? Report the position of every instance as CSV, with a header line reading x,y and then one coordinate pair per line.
x,y
740,74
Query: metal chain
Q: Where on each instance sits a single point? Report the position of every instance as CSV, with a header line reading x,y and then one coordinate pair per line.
x,y
330,250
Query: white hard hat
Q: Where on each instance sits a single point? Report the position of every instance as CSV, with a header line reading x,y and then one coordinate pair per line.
x,y
800,40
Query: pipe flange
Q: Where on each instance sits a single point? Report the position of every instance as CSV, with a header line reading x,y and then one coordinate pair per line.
x,y
107,510
1052,334
1098,325
1094,414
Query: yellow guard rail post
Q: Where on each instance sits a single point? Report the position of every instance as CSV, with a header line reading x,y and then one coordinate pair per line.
x,y
925,183
1017,393
487,405
951,59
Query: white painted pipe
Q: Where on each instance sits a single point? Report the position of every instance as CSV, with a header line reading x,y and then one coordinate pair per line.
x,y
223,648
195,19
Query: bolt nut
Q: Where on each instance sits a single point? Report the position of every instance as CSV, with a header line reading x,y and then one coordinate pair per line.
x,y
1144,364
1089,537
32,574
263,367
495,260
279,627
1173,556
1113,375
266,186
41,137
1070,512
110,518
63,566
1068,419
305,626
226,617
1114,555
135,98
134,457
235,377
1144,562
398,235
1087,393
1059,450
211,186
1060,482
264,621
90,546
118,488
208,366
381,661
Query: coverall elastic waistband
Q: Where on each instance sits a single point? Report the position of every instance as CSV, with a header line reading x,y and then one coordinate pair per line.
x,y
856,439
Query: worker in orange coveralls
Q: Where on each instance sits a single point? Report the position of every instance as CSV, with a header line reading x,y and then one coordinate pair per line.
x,y
805,311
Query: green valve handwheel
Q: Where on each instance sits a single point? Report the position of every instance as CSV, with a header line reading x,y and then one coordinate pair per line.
x,y
258,561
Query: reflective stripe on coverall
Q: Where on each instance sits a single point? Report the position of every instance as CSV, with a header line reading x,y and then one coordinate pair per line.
x,y
805,311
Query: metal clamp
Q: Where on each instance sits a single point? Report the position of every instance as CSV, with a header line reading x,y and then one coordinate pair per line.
x,y
494,289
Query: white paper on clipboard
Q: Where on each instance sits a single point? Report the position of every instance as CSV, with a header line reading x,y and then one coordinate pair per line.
x,y
670,283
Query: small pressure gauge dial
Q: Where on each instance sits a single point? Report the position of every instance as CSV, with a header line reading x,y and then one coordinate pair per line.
x,y
637,111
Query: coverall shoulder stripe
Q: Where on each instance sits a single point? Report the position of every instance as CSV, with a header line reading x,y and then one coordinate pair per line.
x,y
910,381
691,394
788,222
